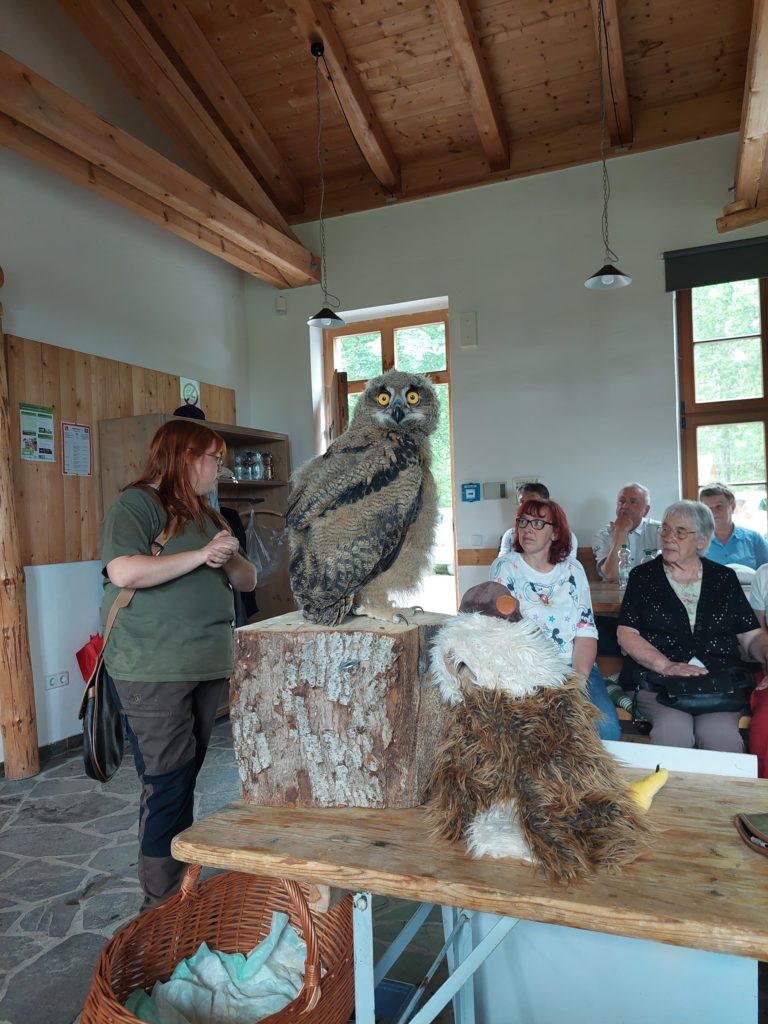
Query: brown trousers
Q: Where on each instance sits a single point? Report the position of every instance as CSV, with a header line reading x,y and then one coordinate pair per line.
x,y
169,727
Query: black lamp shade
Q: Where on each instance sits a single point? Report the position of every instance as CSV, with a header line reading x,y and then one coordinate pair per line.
x,y
325,318
608,278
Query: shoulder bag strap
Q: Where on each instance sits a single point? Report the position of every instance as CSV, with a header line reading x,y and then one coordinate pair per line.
x,y
125,596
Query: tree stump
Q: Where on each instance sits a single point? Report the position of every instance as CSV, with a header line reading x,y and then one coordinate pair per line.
x,y
340,716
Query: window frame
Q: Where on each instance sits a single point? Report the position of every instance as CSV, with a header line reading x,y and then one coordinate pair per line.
x,y
386,327
695,414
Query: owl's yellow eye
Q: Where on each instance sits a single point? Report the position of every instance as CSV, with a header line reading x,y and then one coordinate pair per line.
x,y
412,397
383,398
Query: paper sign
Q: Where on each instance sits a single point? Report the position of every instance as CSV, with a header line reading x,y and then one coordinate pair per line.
x,y
36,432
77,451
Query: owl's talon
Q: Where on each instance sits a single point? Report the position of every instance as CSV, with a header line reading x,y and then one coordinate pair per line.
x,y
416,609
399,617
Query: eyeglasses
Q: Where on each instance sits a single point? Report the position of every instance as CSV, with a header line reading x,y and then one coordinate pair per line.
x,y
679,531
218,459
538,524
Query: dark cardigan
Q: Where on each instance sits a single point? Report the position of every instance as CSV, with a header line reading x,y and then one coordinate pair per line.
x,y
652,607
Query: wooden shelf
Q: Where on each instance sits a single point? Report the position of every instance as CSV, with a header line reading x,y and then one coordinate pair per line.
x,y
230,485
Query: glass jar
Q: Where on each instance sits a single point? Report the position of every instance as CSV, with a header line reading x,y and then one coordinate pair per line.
x,y
269,466
238,470
247,467
257,466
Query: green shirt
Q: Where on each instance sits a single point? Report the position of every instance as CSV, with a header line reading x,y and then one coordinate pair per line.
x,y
177,631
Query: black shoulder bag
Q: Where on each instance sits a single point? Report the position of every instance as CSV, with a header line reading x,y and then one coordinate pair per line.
x,y
722,689
103,734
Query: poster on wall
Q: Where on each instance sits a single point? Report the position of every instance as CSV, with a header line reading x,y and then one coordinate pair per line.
x,y
36,432
76,448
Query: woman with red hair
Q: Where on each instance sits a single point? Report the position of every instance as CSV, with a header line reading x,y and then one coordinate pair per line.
x,y
169,654
552,589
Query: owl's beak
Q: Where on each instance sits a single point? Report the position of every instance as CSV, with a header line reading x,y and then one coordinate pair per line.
x,y
397,411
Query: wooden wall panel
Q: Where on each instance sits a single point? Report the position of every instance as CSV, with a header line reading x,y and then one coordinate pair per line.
x,y
59,516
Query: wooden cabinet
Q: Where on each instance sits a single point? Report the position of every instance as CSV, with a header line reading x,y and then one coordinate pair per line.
x,y
124,444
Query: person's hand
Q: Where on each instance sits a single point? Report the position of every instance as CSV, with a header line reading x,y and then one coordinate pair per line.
x,y
621,526
681,668
219,550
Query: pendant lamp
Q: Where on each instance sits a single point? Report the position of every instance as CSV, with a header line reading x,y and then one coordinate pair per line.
x,y
608,277
326,316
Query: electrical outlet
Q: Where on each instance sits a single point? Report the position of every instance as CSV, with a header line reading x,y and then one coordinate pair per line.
x,y
56,680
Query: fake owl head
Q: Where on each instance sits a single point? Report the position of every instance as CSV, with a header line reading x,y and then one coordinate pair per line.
x,y
405,402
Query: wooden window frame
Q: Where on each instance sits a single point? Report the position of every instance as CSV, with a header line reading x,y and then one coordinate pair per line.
x,y
695,414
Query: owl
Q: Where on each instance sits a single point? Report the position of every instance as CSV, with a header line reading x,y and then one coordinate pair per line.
x,y
361,517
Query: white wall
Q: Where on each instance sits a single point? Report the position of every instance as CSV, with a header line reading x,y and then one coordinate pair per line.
x,y
574,385
82,273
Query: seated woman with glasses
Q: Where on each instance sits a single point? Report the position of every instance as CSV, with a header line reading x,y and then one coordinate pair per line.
x,y
552,589
685,617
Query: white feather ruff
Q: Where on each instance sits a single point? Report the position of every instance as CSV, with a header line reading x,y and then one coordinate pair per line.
x,y
517,657
496,833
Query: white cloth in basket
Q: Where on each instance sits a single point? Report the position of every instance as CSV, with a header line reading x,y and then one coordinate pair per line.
x,y
228,988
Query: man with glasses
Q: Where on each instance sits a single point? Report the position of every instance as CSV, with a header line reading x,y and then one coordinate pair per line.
x,y
632,528
731,544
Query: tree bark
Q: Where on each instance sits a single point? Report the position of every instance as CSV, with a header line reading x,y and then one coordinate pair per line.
x,y
343,716
18,725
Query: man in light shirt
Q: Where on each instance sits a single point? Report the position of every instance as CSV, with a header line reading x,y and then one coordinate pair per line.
x,y
731,544
632,528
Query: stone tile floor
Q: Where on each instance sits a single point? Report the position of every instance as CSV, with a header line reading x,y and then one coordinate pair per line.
x,y
68,881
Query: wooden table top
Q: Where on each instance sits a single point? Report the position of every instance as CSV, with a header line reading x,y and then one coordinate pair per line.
x,y
606,598
697,886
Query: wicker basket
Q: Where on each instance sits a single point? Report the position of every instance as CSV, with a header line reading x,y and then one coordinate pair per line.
x,y
232,912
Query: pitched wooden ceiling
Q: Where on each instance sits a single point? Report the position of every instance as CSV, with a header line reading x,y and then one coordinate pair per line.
x,y
425,98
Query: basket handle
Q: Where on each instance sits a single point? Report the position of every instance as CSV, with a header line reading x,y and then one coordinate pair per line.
x,y
311,988
312,991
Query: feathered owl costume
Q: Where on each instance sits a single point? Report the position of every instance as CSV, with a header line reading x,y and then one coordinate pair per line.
x,y
522,772
361,518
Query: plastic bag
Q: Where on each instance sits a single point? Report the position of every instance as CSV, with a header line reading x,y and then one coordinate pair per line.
x,y
88,655
264,545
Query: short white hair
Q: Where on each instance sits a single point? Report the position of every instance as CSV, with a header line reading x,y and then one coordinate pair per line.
x,y
638,487
698,515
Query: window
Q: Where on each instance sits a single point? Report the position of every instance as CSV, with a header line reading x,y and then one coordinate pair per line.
x,y
723,358
416,343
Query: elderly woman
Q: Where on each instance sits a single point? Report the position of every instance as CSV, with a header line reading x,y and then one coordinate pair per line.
x,y
552,589
686,618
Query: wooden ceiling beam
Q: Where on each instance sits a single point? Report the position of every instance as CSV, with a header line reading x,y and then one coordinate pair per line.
x,y
618,111
315,24
742,218
118,33
752,159
33,101
483,102
31,144
188,40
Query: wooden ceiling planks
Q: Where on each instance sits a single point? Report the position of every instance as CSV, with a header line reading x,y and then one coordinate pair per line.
x,y
182,32
541,59
436,93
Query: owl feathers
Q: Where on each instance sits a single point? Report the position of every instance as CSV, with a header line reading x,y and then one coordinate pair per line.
x,y
361,517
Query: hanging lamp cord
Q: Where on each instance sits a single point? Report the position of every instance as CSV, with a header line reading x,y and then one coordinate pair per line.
x,y
610,256
330,300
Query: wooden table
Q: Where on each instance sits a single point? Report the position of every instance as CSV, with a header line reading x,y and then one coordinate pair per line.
x,y
606,598
698,886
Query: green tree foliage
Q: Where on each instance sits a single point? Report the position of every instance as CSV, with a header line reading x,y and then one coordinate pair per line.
x,y
728,367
